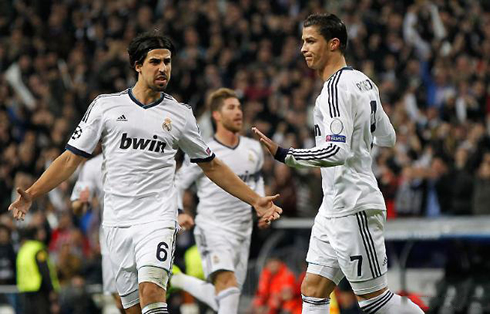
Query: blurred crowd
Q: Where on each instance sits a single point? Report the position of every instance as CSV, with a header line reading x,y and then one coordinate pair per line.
x,y
430,59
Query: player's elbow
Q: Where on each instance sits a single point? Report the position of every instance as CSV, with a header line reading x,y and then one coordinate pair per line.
x,y
337,159
392,140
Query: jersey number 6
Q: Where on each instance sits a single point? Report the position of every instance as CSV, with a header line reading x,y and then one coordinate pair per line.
x,y
162,248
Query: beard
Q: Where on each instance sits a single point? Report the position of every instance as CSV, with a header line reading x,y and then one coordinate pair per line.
x,y
233,127
158,87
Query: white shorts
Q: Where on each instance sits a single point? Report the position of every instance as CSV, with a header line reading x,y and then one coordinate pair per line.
x,y
134,247
108,279
221,250
352,246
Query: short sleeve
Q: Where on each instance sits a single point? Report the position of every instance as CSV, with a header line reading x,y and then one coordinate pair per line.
x,y
192,143
87,134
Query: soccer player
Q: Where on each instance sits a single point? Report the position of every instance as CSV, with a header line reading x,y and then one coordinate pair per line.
x,y
141,129
347,236
223,222
88,186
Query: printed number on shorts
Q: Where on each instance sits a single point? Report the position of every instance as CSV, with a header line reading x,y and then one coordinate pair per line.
x,y
162,254
359,264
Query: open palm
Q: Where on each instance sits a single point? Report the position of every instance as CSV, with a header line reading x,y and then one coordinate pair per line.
x,y
21,206
266,208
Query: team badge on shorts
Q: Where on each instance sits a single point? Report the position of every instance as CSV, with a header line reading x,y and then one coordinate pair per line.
x,y
167,124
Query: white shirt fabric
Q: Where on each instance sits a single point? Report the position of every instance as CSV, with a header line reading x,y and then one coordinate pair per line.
x,y
90,176
217,208
349,119
139,143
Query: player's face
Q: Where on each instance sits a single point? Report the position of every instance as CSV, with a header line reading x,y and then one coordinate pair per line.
x,y
315,48
231,116
156,69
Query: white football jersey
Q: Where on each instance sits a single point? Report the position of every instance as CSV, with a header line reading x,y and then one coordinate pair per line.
x,y
349,119
139,143
217,208
90,176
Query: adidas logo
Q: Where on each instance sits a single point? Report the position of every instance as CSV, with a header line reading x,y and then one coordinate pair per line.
x,y
122,118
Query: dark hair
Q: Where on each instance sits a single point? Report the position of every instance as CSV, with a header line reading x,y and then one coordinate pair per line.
x,y
329,26
141,44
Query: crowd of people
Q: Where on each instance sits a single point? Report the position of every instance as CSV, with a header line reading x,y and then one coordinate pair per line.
x,y
430,59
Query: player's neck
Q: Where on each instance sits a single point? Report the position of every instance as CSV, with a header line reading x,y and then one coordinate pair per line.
x,y
336,63
227,137
144,94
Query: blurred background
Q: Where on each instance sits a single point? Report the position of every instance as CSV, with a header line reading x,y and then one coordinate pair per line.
x,y
430,59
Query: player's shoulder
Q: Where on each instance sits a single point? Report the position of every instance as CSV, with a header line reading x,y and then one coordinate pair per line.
x,y
356,80
348,79
111,96
171,100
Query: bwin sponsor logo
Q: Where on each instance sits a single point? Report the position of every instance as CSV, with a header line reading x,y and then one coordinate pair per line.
x,y
142,144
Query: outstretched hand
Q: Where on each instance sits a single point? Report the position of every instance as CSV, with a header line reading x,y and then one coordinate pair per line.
x,y
271,146
21,206
185,221
263,223
267,210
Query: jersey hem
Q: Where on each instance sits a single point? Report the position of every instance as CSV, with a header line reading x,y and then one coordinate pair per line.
x,y
134,223
353,212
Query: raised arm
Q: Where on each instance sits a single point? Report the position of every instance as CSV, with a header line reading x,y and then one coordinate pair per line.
x,y
224,177
60,170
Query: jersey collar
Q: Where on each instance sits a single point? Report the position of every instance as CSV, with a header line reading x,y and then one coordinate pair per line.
x,y
230,147
346,68
153,104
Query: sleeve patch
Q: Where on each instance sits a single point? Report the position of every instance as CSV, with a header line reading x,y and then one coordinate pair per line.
x,y
336,126
336,138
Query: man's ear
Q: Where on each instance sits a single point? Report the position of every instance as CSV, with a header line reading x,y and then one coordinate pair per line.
x,y
137,67
334,44
216,115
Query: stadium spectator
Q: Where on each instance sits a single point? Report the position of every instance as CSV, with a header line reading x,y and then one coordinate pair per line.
x,y
278,290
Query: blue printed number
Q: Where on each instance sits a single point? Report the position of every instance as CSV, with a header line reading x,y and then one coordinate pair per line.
x,y
162,250
359,264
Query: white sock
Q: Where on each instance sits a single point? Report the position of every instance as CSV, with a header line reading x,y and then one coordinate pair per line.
x,y
155,308
201,290
313,305
228,300
388,303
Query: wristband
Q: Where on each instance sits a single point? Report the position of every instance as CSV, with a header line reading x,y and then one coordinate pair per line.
x,y
281,154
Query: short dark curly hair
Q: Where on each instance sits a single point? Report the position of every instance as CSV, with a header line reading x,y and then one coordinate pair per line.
x,y
144,42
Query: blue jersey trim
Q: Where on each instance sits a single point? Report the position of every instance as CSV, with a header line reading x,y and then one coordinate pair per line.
x,y
153,104
207,159
77,151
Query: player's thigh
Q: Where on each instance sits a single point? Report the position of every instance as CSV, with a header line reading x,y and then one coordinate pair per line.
x,y
217,252
121,253
321,257
108,278
359,244
154,251
242,250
